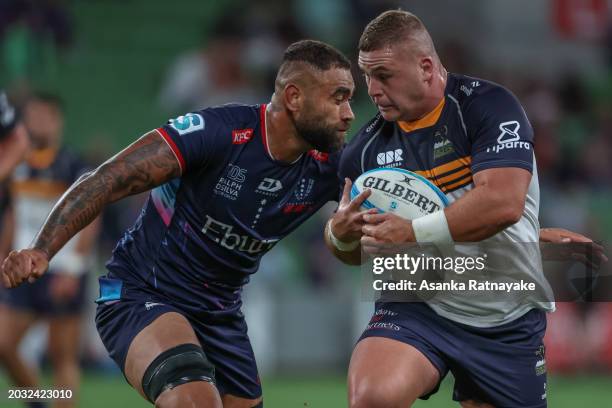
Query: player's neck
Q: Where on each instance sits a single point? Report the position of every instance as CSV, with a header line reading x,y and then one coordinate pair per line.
x,y
283,142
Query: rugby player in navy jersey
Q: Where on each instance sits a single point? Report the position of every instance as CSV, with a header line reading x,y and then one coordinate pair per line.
x,y
471,138
13,138
228,183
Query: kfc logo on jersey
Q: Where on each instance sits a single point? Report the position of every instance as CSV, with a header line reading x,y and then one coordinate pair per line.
x,y
240,136
509,138
392,158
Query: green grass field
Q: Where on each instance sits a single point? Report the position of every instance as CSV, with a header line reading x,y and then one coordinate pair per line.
x,y
112,391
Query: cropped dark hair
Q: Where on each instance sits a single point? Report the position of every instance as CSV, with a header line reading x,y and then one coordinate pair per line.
x,y
316,53
390,27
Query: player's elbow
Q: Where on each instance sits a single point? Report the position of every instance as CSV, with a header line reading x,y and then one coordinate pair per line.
x,y
511,211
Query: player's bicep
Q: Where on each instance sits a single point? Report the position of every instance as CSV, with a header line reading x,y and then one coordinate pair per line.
x,y
496,181
143,165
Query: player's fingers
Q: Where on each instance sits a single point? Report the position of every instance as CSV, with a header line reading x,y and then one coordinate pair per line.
x,y
371,231
356,203
375,218
346,191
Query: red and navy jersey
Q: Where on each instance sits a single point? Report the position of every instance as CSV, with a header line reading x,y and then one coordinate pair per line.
x,y
232,203
477,125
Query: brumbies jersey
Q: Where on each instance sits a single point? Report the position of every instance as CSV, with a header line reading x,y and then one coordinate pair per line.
x,y
232,203
38,183
478,125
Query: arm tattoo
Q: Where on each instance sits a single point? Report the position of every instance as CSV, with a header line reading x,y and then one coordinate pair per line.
x,y
145,164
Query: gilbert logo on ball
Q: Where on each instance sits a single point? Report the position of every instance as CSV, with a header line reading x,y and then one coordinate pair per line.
x,y
399,191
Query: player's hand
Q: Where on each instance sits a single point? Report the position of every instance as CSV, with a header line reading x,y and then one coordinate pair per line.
x,y
584,249
347,221
63,287
382,233
25,265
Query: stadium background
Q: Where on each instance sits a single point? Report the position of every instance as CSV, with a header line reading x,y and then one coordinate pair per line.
x,y
124,67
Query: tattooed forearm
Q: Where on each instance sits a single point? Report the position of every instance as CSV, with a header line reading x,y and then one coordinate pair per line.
x,y
146,163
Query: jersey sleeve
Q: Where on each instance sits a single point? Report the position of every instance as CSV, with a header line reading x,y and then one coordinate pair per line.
x,y
500,133
196,138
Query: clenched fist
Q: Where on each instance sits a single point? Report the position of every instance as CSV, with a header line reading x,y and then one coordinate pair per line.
x,y
19,266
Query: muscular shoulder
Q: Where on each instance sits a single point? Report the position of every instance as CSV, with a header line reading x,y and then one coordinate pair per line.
x,y
479,99
231,115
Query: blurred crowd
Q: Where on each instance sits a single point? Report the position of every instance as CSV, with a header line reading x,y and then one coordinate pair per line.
x,y
236,61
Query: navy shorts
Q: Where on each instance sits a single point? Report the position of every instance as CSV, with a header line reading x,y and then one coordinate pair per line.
x,y
36,298
503,366
125,309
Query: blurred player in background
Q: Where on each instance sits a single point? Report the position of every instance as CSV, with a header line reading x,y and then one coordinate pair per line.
x,y
229,183
13,146
58,296
13,138
471,138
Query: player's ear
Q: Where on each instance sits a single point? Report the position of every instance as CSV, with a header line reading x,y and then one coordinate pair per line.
x,y
426,67
293,97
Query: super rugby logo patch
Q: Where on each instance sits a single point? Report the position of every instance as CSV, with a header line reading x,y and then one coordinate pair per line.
x,y
188,123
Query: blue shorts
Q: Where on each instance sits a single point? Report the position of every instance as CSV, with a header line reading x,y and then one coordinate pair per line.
x,y
503,366
125,309
36,298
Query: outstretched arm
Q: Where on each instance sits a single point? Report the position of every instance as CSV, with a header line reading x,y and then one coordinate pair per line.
x,y
146,163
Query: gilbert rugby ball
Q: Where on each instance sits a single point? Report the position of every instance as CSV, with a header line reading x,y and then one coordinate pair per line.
x,y
399,191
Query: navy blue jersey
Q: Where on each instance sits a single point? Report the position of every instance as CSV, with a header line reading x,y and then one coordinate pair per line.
x,y
478,125
232,203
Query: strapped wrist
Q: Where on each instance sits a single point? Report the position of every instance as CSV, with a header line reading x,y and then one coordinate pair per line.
x,y
340,245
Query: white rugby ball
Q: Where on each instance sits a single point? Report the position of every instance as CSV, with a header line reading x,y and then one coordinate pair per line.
x,y
399,191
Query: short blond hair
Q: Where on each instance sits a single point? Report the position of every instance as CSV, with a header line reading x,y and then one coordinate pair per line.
x,y
393,27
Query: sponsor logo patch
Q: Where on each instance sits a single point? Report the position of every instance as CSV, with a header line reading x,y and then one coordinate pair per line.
x,y
240,136
392,158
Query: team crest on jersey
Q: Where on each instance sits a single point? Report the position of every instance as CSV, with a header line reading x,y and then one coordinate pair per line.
x,y
304,188
187,123
241,136
442,146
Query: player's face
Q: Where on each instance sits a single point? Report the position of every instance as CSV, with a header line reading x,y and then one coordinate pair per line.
x,y
395,82
44,123
326,113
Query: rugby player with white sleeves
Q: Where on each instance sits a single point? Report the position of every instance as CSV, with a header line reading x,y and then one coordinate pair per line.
x,y
471,138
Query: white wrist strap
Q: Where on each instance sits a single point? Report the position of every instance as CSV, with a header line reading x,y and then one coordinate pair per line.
x,y
341,246
432,228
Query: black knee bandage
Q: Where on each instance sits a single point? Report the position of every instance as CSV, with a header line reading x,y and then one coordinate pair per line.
x,y
176,366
